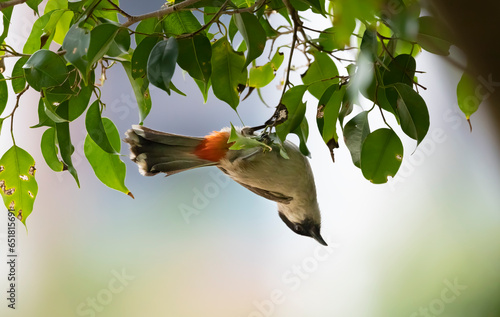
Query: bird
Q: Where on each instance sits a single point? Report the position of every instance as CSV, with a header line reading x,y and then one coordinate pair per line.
x,y
264,171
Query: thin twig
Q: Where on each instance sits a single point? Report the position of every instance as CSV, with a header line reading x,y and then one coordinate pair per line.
x,y
212,20
11,115
317,31
11,3
119,10
296,23
253,8
381,37
159,13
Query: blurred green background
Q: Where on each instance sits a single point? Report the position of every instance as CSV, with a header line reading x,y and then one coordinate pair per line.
x,y
427,243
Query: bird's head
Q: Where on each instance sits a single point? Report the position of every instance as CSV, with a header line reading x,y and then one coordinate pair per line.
x,y
309,226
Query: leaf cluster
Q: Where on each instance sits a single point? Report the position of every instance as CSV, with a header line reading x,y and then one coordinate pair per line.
x,y
199,37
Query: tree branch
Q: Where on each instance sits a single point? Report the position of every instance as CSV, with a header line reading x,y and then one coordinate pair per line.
x,y
11,3
255,7
160,13
212,20
277,115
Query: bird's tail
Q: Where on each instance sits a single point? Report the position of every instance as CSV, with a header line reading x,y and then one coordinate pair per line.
x,y
156,152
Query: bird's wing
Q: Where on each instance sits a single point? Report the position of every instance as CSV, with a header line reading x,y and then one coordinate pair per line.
x,y
274,196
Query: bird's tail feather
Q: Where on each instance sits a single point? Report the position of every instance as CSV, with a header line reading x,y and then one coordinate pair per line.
x,y
156,152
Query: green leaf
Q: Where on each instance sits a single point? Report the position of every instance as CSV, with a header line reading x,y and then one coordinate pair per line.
x,y
66,148
296,110
433,37
140,56
270,32
227,67
62,26
56,95
148,26
101,38
55,5
300,5
303,5
320,75
78,103
203,88
45,69
177,90
120,44
355,133
378,94
7,14
345,109
195,54
405,47
412,112
328,112
4,93
108,168
344,22
1,123
233,29
277,60
253,33
51,110
18,79
180,22
95,128
42,32
369,46
400,70
381,155
17,182
140,86
467,97
43,119
260,76
241,142
302,131
208,13
318,6
161,63
33,4
76,43
49,150
106,10
327,40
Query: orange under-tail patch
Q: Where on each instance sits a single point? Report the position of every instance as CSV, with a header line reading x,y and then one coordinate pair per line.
x,y
213,147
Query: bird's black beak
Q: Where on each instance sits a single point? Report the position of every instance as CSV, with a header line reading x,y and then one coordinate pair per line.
x,y
314,232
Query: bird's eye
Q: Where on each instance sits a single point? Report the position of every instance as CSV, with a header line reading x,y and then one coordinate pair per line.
x,y
299,228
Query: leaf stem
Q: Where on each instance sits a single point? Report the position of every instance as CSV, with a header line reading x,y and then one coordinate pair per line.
x,y
118,9
296,23
11,115
212,20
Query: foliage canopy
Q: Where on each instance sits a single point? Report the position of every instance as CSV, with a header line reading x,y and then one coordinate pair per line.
x,y
199,36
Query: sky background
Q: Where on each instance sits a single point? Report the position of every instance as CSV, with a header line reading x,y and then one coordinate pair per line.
x,y
427,242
